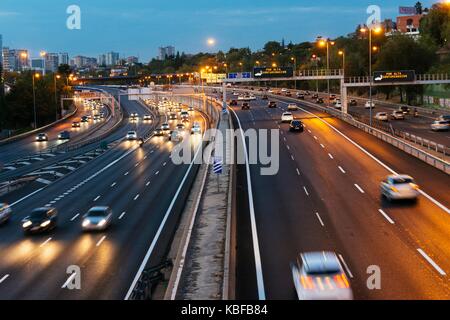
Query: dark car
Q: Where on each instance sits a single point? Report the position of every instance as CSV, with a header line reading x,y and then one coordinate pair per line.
x,y
315,96
353,103
42,137
40,220
75,124
272,104
84,119
296,126
233,103
300,96
181,126
173,116
319,100
158,132
64,135
404,109
245,106
265,97
288,94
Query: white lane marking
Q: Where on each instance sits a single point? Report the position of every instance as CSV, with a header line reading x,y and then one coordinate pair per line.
x,y
145,157
284,139
69,280
156,173
136,164
147,184
430,261
330,155
292,157
100,241
121,215
26,197
75,216
113,184
315,138
152,151
161,226
322,146
320,219
298,171
309,131
386,216
6,276
126,173
342,170
136,197
346,266
96,198
45,242
306,191
359,188
287,146
437,203
164,164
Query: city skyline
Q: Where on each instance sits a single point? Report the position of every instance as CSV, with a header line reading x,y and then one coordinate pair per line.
x,y
46,29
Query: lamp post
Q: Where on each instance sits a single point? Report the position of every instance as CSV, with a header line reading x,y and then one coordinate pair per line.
x,y
57,76
342,53
326,43
37,76
370,30
294,59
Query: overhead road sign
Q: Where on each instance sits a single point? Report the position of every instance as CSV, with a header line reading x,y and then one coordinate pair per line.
x,y
270,72
394,76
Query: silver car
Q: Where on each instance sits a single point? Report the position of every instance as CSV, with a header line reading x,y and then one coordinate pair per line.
x,y
399,187
440,125
97,218
5,212
320,276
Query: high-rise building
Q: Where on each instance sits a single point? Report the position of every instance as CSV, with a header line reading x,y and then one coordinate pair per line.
x,y
51,62
19,59
38,64
102,60
8,60
63,58
112,58
166,52
132,60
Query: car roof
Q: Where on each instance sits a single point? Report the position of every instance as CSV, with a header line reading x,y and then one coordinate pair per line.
x,y
99,208
400,176
320,261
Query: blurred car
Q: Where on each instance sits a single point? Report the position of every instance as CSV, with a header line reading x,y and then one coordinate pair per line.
x,y
272,104
175,136
445,117
404,109
296,126
288,94
369,105
147,117
76,124
42,137
292,107
287,117
399,187
320,276
173,116
64,135
440,125
134,115
353,103
181,127
319,100
338,104
397,115
315,96
97,117
131,135
97,218
300,96
382,116
265,97
40,220
5,212
190,108
245,106
233,103
158,132
84,119
184,115
284,90
196,129
165,126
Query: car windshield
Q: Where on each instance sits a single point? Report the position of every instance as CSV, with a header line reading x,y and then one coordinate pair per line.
x,y
322,268
97,213
402,180
38,214
296,123
287,114
131,132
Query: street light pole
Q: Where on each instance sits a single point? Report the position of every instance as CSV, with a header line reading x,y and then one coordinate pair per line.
x,y
34,100
57,76
370,76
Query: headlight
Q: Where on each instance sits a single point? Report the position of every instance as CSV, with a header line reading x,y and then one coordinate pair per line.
x,y
45,223
86,222
26,224
102,222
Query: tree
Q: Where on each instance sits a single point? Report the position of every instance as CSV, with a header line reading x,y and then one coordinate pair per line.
x,y
419,8
64,69
435,26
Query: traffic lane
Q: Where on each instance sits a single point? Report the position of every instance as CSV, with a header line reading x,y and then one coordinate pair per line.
x,y
368,229
282,208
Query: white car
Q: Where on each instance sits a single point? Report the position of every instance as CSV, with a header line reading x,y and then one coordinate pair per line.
x,y
131,135
175,136
320,276
398,115
338,105
440,125
382,116
284,90
287,117
399,187
292,107
97,218
369,105
165,127
196,129
5,212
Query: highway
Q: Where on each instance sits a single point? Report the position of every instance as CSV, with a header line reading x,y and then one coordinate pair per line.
x,y
138,183
326,197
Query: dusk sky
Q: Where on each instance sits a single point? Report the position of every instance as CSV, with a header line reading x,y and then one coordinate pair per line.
x,y
139,27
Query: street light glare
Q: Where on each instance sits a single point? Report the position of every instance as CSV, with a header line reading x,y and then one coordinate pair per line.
x,y
211,41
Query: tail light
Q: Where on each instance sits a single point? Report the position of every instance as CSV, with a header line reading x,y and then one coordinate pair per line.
x,y
307,282
394,189
414,186
341,281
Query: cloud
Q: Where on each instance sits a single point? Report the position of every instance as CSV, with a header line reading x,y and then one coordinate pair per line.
x,y
8,13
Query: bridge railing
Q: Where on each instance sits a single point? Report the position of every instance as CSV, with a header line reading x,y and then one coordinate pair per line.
x,y
419,77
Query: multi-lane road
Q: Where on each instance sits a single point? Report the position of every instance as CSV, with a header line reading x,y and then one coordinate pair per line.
x,y
326,196
138,183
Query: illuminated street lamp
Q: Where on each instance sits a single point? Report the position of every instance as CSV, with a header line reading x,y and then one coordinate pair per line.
x,y
274,65
342,53
327,43
35,76
56,77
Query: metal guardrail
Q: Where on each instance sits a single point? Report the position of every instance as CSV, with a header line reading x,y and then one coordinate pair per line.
x,y
149,278
7,186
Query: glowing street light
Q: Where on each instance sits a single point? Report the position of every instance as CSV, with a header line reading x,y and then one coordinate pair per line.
x,y
326,43
35,76
211,42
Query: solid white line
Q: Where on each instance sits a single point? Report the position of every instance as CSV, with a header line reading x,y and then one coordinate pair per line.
x,y
386,216
96,198
69,280
135,198
113,184
101,241
121,215
330,155
4,278
430,261
26,197
45,242
359,188
75,216
345,266
306,191
256,251
437,203
161,227
342,170
320,219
